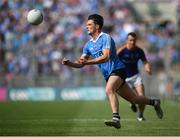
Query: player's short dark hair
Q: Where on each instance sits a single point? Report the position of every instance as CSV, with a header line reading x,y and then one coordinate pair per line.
x,y
133,34
98,19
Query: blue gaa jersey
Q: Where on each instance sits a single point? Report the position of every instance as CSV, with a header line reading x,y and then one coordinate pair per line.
x,y
95,49
130,59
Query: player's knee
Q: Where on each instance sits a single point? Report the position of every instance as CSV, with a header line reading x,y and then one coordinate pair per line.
x,y
109,90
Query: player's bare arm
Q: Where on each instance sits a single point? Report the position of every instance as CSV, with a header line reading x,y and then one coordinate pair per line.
x,y
75,64
101,59
147,67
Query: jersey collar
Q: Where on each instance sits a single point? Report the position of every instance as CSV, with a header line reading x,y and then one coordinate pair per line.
x,y
97,37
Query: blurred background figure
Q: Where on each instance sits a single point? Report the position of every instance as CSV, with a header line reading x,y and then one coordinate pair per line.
x,y
131,54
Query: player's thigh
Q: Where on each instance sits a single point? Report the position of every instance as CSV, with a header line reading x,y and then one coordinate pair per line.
x,y
113,83
140,90
131,85
126,92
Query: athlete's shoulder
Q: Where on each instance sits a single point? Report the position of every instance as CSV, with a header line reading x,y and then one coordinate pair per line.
x,y
139,48
104,35
120,49
106,38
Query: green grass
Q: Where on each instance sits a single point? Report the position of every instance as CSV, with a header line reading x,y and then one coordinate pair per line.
x,y
84,118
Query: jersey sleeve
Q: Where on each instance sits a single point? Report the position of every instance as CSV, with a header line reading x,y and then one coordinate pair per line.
x,y
106,41
142,55
85,49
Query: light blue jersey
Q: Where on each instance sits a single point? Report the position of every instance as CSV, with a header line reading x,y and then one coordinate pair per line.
x,y
95,49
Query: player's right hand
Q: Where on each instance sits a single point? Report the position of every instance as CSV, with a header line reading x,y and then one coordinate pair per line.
x,y
65,61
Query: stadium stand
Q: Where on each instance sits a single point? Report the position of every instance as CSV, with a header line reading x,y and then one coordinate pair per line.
x,y
31,53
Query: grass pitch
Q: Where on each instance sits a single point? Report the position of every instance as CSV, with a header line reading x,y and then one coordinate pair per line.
x,y
84,118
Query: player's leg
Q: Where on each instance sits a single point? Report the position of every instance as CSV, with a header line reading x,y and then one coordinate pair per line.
x,y
111,87
126,92
139,88
133,105
140,92
113,83
130,81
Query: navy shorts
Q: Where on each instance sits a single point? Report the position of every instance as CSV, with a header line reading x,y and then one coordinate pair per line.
x,y
119,72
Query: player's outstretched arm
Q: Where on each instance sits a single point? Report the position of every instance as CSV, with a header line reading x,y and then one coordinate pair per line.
x,y
75,64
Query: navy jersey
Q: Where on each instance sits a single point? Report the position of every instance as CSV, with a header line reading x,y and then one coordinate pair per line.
x,y
95,49
131,58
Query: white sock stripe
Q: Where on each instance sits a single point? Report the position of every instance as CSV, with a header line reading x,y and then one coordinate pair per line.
x,y
115,118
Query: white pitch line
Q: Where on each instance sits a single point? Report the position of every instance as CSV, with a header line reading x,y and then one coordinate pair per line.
x,y
65,119
95,119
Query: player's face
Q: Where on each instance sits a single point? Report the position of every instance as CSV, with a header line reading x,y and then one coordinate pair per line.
x,y
91,27
131,42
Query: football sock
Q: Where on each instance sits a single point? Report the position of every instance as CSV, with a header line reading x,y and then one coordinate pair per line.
x,y
116,116
151,102
140,114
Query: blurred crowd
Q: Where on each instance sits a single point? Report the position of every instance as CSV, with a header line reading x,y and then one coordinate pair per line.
x,y
36,50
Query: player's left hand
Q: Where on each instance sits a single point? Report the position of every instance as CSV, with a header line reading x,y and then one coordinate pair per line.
x,y
65,61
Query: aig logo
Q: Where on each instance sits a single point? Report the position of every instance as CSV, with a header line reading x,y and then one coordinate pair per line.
x,y
98,54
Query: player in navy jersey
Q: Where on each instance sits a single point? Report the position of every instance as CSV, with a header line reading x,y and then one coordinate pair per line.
x,y
130,54
101,50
